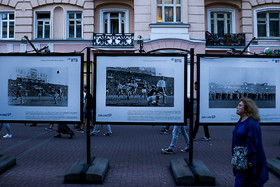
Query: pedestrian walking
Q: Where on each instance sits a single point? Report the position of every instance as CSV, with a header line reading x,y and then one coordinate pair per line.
x,y
206,131
248,157
9,134
50,127
196,126
165,129
175,134
64,129
96,130
88,100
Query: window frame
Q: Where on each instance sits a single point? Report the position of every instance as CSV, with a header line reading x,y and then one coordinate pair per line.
x,y
174,6
265,10
8,25
114,10
75,25
222,10
36,25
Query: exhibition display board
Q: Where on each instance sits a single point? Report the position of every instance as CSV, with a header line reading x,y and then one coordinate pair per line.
x,y
41,87
223,79
140,88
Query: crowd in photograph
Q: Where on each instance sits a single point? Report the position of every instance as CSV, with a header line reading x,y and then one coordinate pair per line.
x,y
255,91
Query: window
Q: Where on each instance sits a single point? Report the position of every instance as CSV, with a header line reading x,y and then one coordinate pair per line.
x,y
168,10
74,25
7,25
115,21
220,23
43,26
268,24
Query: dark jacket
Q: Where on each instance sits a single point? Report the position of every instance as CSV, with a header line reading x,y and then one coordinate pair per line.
x,y
248,133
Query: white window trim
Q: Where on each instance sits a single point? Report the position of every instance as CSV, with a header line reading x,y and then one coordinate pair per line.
x,y
256,11
229,10
35,24
67,24
174,11
11,11
126,13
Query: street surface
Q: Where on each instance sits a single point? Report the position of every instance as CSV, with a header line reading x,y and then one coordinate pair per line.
x,y
134,154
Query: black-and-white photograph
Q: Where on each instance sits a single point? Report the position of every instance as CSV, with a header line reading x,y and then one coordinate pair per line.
x,y
41,87
223,80
228,85
38,86
139,86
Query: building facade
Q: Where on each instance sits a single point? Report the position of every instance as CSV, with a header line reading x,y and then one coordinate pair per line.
x,y
121,26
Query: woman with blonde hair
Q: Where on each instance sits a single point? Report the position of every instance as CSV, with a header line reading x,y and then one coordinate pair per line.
x,y
248,157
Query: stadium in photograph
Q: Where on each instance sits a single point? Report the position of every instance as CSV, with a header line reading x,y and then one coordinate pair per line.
x,y
41,88
38,87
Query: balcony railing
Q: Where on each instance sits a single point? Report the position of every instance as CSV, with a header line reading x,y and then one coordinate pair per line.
x,y
113,40
225,40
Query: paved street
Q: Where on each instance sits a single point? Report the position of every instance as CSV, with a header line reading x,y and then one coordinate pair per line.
x,y
134,155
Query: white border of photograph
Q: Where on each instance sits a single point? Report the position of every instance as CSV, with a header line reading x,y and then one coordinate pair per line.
x,y
68,70
237,71
169,66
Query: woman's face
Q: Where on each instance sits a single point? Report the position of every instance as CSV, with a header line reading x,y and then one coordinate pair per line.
x,y
240,108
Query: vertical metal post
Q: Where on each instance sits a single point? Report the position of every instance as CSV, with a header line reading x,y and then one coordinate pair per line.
x,y
88,108
191,109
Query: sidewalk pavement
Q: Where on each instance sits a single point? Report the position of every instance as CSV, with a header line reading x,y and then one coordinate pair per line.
x,y
134,154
